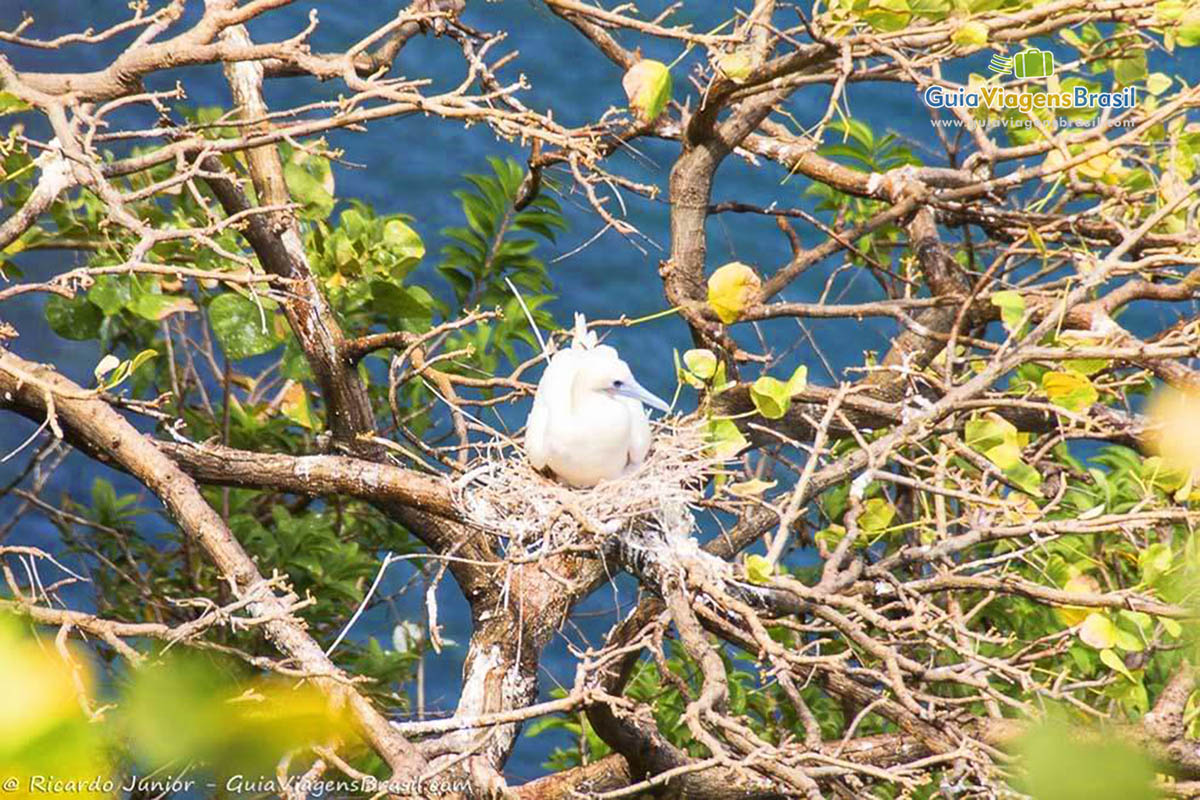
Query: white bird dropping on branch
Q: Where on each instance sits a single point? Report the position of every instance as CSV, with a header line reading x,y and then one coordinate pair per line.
x,y
587,424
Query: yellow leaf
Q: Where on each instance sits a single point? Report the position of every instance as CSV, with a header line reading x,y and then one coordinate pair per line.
x,y
1069,390
1176,431
647,84
770,396
751,487
736,66
1005,456
1103,167
731,289
877,515
701,363
724,439
1080,584
295,406
40,693
1098,631
971,35
1158,83
758,569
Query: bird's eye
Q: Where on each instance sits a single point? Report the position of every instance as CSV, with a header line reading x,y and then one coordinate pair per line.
x,y
618,384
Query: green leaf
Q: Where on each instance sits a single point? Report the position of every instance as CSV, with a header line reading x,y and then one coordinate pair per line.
x,y
76,319
770,396
1012,308
155,307
141,358
720,381
798,382
1188,34
935,10
1070,37
1063,760
1128,71
725,440
988,432
111,293
1037,239
1069,390
310,182
758,569
877,515
241,328
1110,659
344,253
1169,10
701,363
1158,83
648,86
404,302
1086,366
1161,475
11,104
403,240
123,369
830,536
1129,642
684,374
1025,477
1142,622
887,15
234,729
971,34
1155,561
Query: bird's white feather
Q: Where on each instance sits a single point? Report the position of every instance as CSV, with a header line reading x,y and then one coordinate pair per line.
x,y
553,391
582,425
582,338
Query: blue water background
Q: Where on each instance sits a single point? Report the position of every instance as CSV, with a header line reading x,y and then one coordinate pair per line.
x,y
412,165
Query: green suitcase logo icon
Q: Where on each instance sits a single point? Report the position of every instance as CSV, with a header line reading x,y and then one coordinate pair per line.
x,y
1034,64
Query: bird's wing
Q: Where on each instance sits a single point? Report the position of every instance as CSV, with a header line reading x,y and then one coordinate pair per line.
x,y
554,391
535,433
639,431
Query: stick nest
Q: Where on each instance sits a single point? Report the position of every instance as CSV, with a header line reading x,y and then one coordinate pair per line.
x,y
502,493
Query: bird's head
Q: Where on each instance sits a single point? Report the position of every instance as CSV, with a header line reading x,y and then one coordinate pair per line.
x,y
611,376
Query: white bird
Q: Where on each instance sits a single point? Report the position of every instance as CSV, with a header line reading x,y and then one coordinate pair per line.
x,y
587,424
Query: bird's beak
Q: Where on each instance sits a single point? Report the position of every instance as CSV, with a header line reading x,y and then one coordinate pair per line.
x,y
633,389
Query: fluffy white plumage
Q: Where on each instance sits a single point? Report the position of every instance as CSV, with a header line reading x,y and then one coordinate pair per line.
x,y
587,423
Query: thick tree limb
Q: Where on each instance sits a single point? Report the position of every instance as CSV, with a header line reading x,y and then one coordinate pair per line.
x,y
316,475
